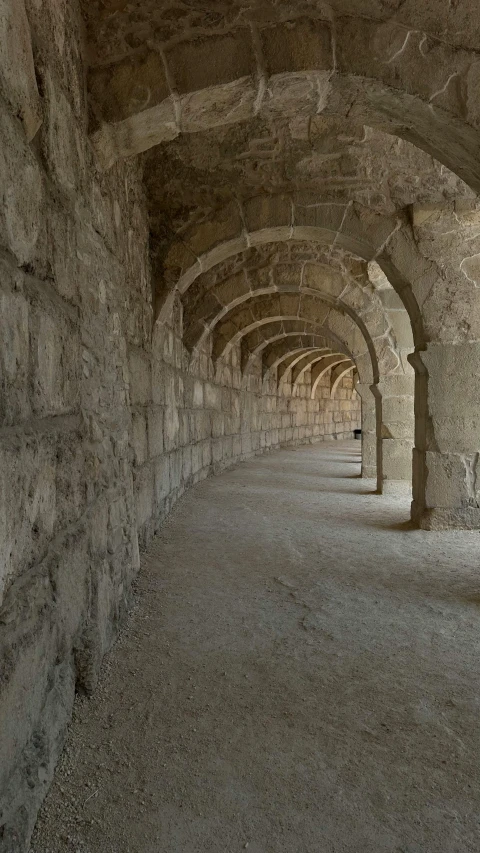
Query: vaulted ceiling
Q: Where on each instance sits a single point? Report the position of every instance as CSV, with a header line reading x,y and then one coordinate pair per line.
x,y
233,105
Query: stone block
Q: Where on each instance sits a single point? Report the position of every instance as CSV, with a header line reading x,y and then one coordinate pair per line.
x,y
266,212
198,394
144,495
133,84
29,513
186,463
98,528
217,450
300,45
452,369
71,463
184,430
67,266
139,377
171,428
211,61
155,432
212,396
206,453
246,445
215,426
17,69
176,461
139,438
162,478
61,143
15,404
226,226
22,225
28,628
398,417
397,460
197,458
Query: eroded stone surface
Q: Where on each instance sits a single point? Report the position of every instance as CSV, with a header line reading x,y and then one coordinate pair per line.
x,y
245,695
217,221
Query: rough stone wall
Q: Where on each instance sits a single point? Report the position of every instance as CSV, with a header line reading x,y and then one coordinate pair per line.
x,y
73,258
101,426
198,419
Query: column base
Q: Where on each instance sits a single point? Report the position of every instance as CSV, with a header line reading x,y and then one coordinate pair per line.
x,y
369,472
445,518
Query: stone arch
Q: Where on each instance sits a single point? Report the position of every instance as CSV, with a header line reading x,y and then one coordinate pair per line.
x,y
275,354
340,331
350,227
268,219
391,390
321,365
310,360
337,375
366,308
386,75
297,364
308,308
289,363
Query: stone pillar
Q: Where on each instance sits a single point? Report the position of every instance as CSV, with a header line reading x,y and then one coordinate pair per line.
x,y
446,490
395,432
369,431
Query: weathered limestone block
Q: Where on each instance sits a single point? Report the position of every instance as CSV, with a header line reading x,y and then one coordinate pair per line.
x,y
171,428
29,513
212,397
184,428
447,449
139,437
129,86
197,458
186,465
207,235
33,732
162,479
394,396
61,140
55,361
139,377
22,193
15,404
155,432
144,495
396,466
17,70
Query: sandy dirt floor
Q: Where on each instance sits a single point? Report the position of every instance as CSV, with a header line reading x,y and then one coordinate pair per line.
x,y
300,674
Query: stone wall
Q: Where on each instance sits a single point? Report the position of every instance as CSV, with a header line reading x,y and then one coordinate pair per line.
x,y
195,419
73,261
102,426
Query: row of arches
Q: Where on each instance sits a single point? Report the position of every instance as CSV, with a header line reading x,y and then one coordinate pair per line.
x,y
385,318
389,276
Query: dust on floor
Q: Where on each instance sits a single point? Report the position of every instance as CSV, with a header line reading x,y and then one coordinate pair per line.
x,y
300,673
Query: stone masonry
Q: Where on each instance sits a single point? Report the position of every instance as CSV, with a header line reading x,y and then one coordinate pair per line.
x,y
225,228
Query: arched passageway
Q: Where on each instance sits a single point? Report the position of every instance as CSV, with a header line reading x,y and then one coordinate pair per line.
x,y
226,228
285,681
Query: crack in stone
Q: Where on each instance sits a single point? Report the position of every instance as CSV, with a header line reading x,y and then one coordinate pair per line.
x,y
470,464
445,87
402,49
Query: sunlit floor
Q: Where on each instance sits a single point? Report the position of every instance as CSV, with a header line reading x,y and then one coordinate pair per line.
x,y
301,673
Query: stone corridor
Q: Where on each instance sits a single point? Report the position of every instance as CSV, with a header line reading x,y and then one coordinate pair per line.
x,y
235,229
300,673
